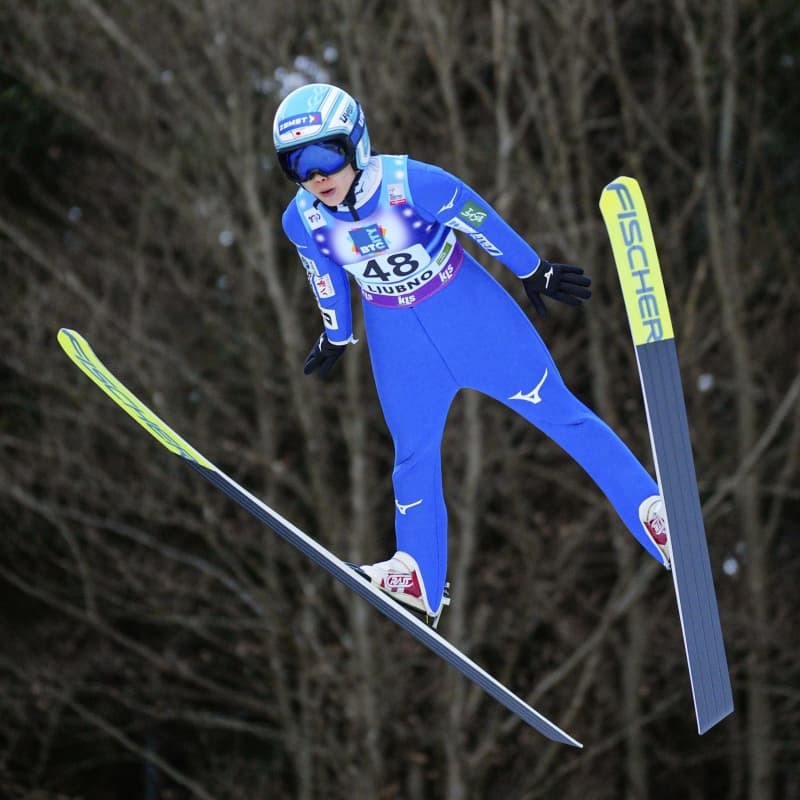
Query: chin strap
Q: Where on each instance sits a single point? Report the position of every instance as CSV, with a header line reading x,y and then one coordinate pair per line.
x,y
349,201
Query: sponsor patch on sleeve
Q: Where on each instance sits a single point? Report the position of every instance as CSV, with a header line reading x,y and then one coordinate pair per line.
x,y
309,265
489,247
473,214
329,319
324,286
459,225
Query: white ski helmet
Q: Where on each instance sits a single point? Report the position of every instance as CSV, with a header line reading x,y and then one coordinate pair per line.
x,y
315,114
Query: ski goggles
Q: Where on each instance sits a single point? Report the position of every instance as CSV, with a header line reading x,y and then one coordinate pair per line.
x,y
325,158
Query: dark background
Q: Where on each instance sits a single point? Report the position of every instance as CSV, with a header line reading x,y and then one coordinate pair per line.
x,y
159,643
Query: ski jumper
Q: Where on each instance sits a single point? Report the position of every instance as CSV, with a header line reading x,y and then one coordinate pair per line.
x,y
436,322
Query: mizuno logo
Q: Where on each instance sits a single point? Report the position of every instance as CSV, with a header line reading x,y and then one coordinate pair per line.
x,y
403,509
450,204
547,276
533,395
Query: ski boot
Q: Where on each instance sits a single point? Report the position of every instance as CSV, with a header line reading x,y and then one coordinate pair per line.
x,y
400,578
651,513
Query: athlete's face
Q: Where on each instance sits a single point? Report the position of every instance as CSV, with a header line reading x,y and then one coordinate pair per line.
x,y
331,189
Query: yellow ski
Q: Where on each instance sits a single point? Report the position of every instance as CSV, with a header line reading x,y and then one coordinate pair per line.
x,y
78,349
623,208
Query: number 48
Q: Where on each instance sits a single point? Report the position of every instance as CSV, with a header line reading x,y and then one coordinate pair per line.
x,y
402,265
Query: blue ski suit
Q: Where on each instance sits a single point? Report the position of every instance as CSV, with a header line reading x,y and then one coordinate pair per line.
x,y
436,322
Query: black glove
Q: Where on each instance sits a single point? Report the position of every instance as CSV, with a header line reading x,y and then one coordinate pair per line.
x,y
323,356
562,282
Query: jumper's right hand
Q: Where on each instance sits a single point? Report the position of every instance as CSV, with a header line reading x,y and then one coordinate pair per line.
x,y
323,356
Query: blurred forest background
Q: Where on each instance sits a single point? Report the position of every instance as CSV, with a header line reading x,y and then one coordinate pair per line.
x,y
160,643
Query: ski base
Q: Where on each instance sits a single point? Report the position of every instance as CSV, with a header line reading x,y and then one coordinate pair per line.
x,y
691,566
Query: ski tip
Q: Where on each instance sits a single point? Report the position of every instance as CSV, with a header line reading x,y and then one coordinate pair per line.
x,y
66,336
622,180
80,352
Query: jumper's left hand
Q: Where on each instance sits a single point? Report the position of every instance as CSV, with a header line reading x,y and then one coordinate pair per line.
x,y
562,282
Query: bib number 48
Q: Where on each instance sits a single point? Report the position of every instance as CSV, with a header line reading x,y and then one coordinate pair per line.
x,y
395,266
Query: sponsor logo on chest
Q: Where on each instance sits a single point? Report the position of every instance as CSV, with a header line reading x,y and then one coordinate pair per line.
x,y
369,239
